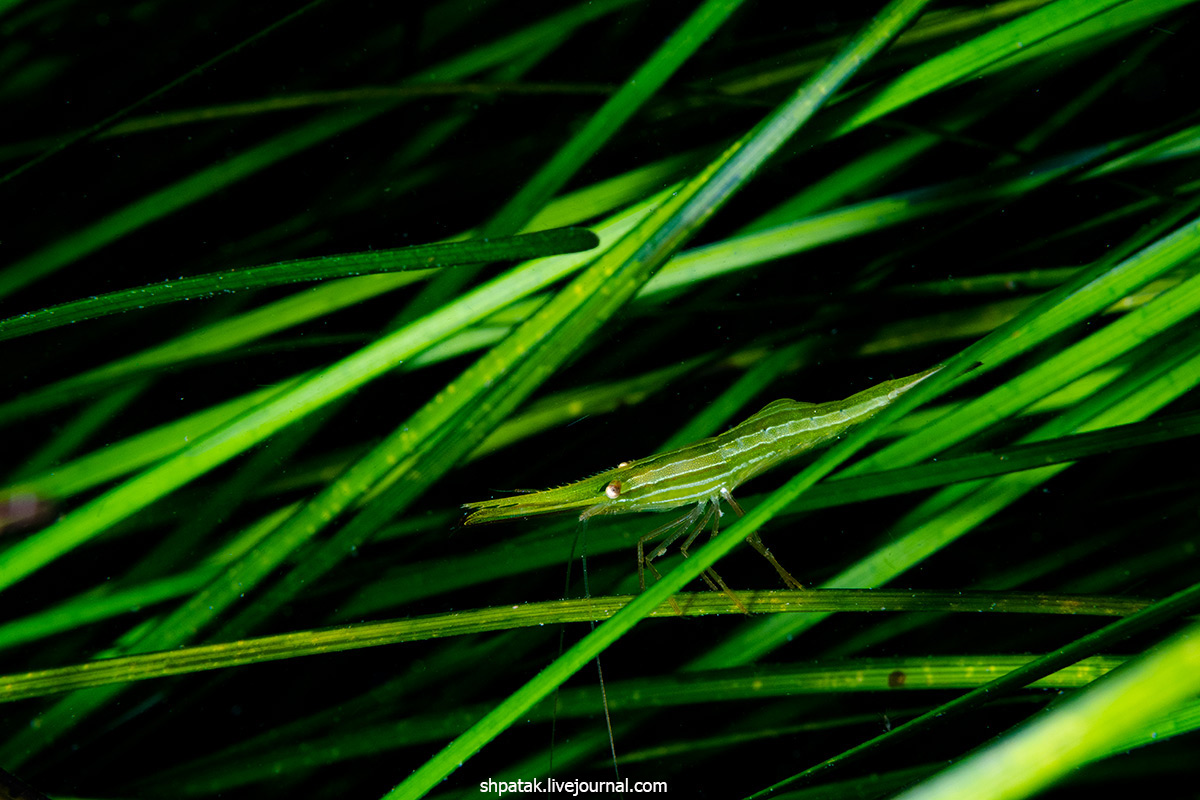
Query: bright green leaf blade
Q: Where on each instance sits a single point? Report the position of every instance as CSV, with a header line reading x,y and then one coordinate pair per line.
x,y
988,49
1077,731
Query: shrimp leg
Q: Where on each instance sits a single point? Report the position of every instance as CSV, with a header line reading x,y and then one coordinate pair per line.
x,y
683,523
757,543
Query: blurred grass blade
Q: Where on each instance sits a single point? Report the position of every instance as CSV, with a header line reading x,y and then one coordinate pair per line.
x,y
1076,731
108,121
830,680
1157,614
120,458
202,184
170,199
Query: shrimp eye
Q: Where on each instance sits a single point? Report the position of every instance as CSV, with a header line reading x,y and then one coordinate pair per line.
x,y
613,490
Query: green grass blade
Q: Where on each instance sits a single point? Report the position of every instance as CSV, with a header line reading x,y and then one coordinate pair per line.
x,y
1077,731
600,128
604,124
1098,349
422,257
986,50
375,634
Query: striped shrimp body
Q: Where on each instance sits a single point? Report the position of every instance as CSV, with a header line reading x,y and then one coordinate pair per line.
x,y
703,474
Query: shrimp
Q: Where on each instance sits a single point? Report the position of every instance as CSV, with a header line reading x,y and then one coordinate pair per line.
x,y
703,474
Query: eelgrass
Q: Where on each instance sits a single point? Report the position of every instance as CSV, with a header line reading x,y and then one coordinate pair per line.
x,y
280,460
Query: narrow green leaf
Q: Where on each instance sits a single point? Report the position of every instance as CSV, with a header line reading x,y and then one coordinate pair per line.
x,y
420,257
1078,730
